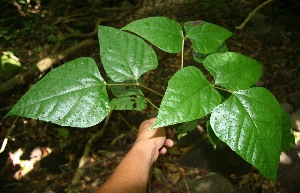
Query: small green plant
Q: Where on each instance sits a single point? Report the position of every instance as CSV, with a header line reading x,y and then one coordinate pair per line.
x,y
248,119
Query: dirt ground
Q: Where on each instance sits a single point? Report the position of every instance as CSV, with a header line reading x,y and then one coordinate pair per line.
x,y
52,153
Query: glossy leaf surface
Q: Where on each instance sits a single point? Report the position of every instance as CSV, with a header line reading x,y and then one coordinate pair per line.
x,y
124,56
189,96
73,94
249,122
205,37
163,32
232,70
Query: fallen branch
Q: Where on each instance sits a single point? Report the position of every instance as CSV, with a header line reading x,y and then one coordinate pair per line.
x,y
250,15
43,65
49,61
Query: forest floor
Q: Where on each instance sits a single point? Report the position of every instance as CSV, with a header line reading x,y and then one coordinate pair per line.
x,y
52,153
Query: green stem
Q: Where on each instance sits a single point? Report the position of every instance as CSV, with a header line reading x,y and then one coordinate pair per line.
x,y
152,104
150,90
136,84
182,50
122,84
222,89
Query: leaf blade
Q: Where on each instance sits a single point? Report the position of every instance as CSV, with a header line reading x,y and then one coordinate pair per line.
x,y
163,32
69,95
123,55
232,70
205,37
189,96
249,123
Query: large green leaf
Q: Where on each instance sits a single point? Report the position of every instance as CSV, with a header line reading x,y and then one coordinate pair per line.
x,y
123,55
73,94
232,70
189,96
249,122
205,37
163,32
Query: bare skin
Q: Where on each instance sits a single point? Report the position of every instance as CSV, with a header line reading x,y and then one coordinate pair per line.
x,y
133,172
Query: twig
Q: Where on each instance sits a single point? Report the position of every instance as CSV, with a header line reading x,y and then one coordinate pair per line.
x,y
86,152
4,143
19,7
250,15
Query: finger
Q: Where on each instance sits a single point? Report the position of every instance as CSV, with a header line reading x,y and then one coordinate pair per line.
x,y
169,143
147,123
163,150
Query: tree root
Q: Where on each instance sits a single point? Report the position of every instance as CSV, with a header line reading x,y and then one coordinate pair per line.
x,y
250,15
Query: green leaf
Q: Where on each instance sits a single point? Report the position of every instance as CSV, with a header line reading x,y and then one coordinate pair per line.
x,y
73,94
199,57
124,88
205,37
232,70
163,32
124,56
288,139
185,127
212,136
249,122
128,98
133,102
189,96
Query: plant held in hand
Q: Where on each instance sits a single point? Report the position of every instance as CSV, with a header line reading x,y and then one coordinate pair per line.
x,y
248,119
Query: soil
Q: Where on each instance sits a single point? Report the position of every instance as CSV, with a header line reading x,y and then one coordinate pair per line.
x,y
52,153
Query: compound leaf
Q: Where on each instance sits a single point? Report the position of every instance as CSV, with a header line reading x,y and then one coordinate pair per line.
x,y
73,94
124,56
232,70
205,37
163,32
189,96
128,98
133,102
249,122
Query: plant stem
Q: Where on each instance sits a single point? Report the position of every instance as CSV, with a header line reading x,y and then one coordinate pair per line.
x,y
152,104
222,89
182,50
136,84
4,143
240,27
150,89
123,84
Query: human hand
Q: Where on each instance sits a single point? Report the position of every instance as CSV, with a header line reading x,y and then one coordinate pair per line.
x,y
156,136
